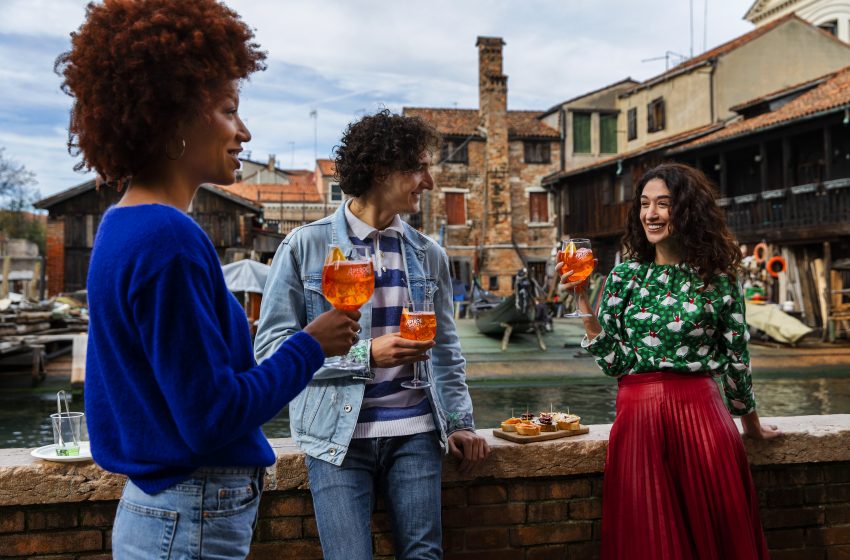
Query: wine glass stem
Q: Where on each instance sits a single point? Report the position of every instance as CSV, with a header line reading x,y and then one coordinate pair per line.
x,y
575,300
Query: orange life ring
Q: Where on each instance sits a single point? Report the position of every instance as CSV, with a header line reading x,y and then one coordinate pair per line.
x,y
760,252
776,265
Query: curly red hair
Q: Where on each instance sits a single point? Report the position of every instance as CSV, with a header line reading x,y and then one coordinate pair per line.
x,y
137,69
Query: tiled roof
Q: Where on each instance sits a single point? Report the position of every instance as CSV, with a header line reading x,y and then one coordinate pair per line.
x,y
623,82
833,94
464,122
779,93
301,189
723,49
327,167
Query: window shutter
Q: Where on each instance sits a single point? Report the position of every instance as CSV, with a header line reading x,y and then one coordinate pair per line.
x,y
608,134
538,207
581,133
455,209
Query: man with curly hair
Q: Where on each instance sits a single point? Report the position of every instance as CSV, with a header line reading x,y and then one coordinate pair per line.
x,y
359,436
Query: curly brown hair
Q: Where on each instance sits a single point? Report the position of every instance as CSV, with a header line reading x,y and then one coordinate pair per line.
x,y
696,222
137,69
379,144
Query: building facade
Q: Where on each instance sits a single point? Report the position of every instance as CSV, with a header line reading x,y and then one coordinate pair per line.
x,y
75,214
833,16
489,209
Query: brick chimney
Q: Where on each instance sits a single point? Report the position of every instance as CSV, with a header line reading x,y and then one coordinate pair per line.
x,y
270,166
493,108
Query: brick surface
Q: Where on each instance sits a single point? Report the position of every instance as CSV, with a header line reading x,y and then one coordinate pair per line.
x,y
454,497
382,544
838,553
799,554
550,533
283,528
784,497
301,549
485,516
12,521
50,542
548,511
838,514
55,518
507,554
488,494
546,552
836,472
309,527
583,551
286,505
586,509
487,539
549,490
98,515
453,540
828,536
785,538
793,517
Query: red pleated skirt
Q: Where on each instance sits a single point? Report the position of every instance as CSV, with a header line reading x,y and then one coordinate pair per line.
x,y
677,482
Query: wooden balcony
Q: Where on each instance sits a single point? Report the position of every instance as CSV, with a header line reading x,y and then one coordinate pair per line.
x,y
800,213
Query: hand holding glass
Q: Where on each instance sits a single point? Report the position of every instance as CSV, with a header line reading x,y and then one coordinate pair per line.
x,y
348,281
418,322
576,255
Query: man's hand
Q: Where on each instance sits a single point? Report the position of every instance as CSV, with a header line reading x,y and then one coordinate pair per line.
x,y
392,350
470,448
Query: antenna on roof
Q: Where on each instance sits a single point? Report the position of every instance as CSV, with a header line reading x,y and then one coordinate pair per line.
x,y
667,56
691,11
314,114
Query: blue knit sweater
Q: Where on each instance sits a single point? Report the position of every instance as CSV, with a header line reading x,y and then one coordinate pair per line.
x,y
171,381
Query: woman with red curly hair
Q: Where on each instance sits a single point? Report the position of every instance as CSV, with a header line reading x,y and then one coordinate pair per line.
x,y
677,483
174,398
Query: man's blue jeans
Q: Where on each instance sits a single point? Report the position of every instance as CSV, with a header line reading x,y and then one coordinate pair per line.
x,y
406,471
208,516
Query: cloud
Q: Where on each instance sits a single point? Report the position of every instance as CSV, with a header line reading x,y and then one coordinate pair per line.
x,y
345,58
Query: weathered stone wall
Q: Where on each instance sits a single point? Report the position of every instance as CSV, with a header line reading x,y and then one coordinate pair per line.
x,y
527,502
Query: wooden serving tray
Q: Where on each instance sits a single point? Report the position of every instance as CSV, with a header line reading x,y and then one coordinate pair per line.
x,y
544,436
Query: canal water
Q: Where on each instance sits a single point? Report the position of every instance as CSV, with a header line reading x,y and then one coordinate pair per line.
x,y
24,416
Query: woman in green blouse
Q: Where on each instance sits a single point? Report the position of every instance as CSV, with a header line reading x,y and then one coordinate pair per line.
x,y
677,482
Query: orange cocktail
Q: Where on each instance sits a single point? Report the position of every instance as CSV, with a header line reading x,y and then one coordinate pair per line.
x,y
348,284
577,259
576,256
418,325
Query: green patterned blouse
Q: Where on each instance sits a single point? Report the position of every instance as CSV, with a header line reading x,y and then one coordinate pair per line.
x,y
657,317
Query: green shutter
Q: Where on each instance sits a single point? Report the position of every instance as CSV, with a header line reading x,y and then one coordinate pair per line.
x,y
581,133
608,134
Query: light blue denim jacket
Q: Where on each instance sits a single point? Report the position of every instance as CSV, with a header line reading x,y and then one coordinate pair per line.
x,y
324,415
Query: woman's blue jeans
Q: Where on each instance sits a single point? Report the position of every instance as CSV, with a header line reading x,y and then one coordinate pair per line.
x,y
209,516
406,471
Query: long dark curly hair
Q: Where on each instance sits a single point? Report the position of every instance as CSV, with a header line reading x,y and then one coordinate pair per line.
x,y
696,223
379,144
137,69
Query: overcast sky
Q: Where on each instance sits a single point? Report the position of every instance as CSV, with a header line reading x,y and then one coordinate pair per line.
x,y
344,58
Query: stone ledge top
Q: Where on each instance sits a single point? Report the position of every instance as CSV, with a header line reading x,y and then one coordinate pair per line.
x,y
808,439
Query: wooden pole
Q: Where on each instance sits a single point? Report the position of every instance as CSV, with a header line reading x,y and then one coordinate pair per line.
x,y
36,278
828,333
7,268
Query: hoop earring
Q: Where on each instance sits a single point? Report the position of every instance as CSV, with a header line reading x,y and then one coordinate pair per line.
x,y
168,153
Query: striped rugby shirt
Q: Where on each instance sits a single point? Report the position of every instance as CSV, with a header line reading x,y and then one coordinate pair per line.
x,y
388,409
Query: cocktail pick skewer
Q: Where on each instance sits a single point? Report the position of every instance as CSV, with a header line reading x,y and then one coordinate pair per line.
x,y
59,416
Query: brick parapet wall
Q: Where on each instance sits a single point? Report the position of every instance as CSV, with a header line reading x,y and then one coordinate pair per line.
x,y
527,502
